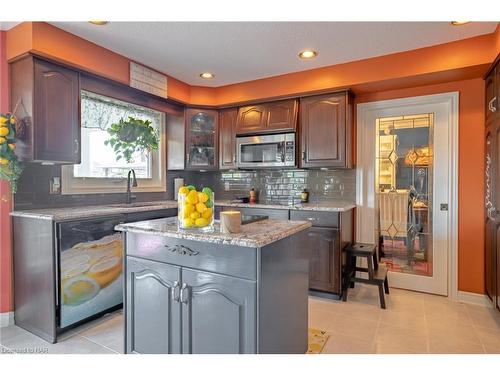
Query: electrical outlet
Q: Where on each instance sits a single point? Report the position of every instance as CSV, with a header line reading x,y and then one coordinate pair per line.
x,y
226,186
55,185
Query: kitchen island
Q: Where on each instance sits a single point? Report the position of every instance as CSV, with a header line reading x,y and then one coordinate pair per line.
x,y
193,292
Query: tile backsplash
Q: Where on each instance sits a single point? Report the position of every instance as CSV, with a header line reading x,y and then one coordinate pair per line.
x,y
274,186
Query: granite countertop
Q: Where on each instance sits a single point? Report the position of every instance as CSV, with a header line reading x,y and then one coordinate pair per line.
x,y
69,213
72,213
257,234
333,206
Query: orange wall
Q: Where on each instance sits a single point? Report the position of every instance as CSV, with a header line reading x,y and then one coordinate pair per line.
x,y
5,201
470,173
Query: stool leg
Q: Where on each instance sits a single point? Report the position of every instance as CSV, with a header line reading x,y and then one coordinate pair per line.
x,y
370,268
375,260
381,295
386,286
352,270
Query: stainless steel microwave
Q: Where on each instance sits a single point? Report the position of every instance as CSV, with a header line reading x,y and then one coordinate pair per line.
x,y
264,151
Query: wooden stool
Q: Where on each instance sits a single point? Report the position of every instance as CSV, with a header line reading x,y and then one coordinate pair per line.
x,y
377,275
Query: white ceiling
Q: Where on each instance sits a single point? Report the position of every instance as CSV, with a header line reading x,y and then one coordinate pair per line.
x,y
244,51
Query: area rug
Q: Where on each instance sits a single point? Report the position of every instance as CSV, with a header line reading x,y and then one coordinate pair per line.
x,y
317,340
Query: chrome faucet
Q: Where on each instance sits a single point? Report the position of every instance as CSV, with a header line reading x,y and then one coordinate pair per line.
x,y
129,195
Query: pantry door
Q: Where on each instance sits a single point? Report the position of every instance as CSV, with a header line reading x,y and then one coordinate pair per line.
x,y
407,188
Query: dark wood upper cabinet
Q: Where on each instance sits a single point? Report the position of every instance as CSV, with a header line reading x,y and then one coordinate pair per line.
x,y
201,137
227,138
326,131
251,119
280,116
46,100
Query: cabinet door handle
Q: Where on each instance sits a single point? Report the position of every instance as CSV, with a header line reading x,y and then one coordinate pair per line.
x,y
187,158
312,218
184,289
491,107
174,296
76,146
303,155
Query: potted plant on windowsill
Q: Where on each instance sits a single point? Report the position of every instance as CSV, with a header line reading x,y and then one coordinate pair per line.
x,y
10,167
130,136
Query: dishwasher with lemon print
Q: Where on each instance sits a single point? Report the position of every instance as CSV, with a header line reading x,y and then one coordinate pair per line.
x,y
90,268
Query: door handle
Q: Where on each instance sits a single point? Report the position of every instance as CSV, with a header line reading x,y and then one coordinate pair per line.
x,y
174,296
491,107
76,146
184,289
303,155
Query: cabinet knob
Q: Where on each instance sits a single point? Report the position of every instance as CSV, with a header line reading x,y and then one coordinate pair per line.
x,y
76,146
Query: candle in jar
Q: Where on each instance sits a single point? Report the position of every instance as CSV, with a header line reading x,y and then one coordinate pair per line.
x,y
230,221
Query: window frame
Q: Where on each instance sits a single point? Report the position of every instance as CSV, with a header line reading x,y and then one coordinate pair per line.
x,y
104,185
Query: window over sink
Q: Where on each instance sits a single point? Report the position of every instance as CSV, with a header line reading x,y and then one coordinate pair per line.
x,y
99,170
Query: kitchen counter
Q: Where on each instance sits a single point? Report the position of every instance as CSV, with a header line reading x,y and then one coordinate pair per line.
x,y
332,206
257,234
78,212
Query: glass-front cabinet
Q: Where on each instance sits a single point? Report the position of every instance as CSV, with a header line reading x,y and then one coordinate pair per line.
x,y
201,139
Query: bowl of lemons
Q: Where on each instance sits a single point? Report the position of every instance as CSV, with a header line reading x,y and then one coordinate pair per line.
x,y
196,209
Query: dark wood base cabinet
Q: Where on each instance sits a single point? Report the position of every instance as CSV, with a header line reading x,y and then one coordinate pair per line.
x,y
330,234
492,186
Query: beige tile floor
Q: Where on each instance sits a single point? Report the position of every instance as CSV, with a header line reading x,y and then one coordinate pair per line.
x,y
412,323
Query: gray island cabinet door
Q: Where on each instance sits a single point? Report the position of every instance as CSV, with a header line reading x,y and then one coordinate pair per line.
x,y
153,316
218,314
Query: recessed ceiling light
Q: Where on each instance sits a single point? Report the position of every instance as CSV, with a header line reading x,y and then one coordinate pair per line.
x,y
308,54
207,75
98,23
459,23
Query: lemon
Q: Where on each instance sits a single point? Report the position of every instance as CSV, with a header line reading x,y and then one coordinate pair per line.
x,y
207,214
200,207
4,131
188,207
202,197
192,197
4,161
183,190
195,215
2,140
188,223
201,222
3,121
11,146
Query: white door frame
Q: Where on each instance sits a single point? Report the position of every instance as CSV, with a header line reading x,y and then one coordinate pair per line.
x,y
365,172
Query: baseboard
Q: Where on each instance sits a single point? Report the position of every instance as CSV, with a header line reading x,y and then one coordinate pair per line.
x,y
474,298
7,319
